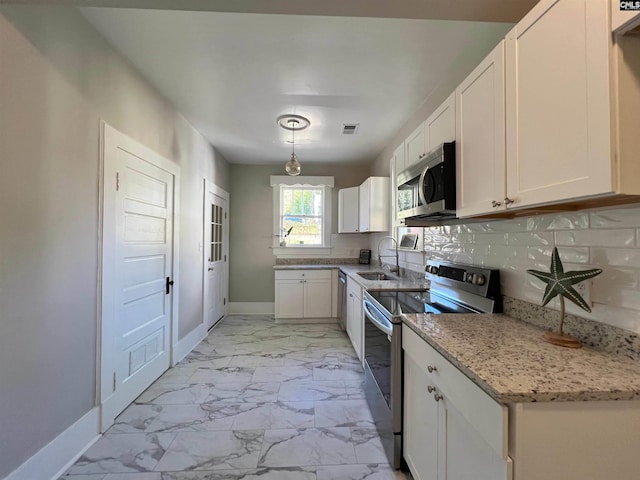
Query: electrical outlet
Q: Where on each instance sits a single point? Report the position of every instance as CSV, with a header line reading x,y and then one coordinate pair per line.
x,y
584,289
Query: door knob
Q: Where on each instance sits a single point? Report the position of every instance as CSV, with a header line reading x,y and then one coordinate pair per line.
x,y
437,397
495,204
431,369
431,389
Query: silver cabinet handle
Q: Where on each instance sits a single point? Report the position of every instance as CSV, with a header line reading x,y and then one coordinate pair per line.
x,y
508,201
431,369
495,204
437,397
431,389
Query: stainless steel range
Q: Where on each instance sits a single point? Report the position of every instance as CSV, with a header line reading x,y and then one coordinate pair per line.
x,y
454,289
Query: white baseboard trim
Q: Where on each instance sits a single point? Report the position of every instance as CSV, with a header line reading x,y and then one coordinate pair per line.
x,y
189,342
251,308
58,455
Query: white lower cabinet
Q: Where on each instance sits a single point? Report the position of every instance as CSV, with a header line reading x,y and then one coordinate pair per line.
x,y
303,294
355,319
452,429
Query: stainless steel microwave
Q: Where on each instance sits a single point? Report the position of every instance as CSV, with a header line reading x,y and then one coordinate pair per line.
x,y
427,190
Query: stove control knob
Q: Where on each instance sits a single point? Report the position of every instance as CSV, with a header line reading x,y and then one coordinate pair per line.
x,y
432,269
468,277
479,279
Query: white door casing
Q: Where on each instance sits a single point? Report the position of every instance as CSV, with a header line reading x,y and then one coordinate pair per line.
x,y
216,253
137,317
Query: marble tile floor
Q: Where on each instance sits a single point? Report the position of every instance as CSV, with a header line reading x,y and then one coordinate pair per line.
x,y
255,400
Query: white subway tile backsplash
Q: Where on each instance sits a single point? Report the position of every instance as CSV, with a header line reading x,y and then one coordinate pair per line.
x,y
617,257
607,239
597,238
561,221
491,238
530,238
615,218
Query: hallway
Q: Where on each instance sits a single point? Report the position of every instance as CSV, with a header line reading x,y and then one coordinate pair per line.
x,y
254,400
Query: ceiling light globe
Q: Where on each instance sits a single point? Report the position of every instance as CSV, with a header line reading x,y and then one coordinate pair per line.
x,y
293,166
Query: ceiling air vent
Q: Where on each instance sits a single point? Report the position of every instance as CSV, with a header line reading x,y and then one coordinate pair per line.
x,y
350,128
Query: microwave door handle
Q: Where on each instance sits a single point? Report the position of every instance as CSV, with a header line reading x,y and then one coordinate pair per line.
x,y
421,185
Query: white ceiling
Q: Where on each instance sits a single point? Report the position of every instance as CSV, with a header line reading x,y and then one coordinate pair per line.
x,y
232,74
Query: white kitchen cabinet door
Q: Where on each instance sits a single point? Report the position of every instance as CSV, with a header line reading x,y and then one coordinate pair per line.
x,y
348,210
374,205
289,298
440,127
463,452
480,137
398,159
415,146
557,103
420,429
317,298
355,320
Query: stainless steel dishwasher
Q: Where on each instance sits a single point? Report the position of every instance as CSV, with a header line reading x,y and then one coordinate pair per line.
x,y
342,299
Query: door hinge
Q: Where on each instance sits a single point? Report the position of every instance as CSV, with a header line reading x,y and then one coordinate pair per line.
x,y
114,381
117,181
225,215
224,302
225,258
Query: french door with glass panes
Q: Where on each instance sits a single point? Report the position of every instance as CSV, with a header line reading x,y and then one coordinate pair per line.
x,y
216,254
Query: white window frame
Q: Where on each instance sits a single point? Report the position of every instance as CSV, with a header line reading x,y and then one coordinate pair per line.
x,y
326,184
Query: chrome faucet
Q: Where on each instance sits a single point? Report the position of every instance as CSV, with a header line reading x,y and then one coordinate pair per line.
x,y
395,269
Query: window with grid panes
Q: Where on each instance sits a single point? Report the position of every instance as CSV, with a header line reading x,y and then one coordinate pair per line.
x,y
302,211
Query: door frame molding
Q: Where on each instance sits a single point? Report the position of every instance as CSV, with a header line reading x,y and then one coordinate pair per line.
x,y
210,187
106,247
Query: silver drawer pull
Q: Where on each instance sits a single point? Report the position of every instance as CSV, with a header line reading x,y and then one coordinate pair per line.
x,y
431,369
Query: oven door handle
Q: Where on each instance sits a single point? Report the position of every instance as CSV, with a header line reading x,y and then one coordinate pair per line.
x,y
370,311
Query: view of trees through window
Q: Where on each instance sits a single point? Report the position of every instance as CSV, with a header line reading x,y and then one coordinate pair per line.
x,y
301,208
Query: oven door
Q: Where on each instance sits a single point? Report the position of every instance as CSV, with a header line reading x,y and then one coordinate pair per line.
x,y
378,331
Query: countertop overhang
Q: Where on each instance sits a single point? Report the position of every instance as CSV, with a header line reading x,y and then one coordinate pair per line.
x,y
511,362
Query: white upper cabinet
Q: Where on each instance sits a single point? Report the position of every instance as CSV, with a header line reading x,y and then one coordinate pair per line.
x,y
398,159
480,137
374,205
558,131
440,127
623,20
348,213
415,146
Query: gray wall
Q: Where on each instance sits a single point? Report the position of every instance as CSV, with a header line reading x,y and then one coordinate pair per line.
x,y
251,224
58,79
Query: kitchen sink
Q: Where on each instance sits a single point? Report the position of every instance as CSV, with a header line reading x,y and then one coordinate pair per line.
x,y
375,276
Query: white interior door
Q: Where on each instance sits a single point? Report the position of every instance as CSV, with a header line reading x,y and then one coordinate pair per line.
x,y
138,268
216,254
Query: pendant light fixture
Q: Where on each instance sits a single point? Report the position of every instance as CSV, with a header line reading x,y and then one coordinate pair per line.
x,y
293,123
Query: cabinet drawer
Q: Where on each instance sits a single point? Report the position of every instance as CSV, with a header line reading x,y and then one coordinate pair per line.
x,y
303,274
488,417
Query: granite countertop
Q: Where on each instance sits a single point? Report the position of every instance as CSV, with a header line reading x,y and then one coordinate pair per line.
x,y
399,283
509,360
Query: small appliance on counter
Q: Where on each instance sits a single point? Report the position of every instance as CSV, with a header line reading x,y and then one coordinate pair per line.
x,y
365,257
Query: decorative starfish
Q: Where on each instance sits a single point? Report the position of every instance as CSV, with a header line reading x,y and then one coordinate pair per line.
x,y
559,282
